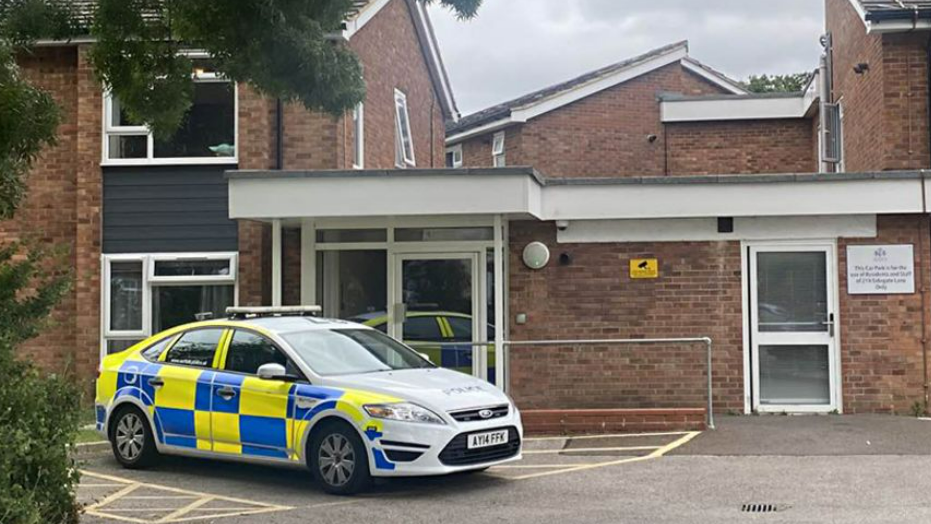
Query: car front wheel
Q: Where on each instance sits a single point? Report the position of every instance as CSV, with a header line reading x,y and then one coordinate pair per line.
x,y
339,460
132,440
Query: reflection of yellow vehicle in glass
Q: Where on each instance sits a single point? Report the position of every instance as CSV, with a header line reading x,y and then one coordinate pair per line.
x,y
421,327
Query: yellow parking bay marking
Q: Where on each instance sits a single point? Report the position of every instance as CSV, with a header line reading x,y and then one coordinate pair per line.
x,y
616,435
659,452
588,450
191,503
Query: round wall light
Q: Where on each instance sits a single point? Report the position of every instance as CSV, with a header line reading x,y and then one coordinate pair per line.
x,y
536,255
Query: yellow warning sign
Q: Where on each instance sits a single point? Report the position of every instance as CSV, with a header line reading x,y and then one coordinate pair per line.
x,y
644,268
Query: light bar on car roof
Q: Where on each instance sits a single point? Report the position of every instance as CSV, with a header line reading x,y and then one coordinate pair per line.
x,y
272,311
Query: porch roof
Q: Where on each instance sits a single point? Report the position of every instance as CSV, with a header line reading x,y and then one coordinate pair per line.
x,y
523,192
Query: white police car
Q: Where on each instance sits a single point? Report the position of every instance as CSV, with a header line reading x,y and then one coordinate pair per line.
x,y
278,386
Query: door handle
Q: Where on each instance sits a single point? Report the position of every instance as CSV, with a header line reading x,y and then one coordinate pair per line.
x,y
156,382
226,392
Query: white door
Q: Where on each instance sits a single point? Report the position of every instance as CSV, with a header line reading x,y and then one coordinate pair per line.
x,y
437,308
793,327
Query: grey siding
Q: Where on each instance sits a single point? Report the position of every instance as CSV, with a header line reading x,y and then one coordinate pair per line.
x,y
167,210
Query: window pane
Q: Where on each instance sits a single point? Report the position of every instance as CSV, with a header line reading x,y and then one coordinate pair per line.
x,y
208,128
355,285
191,268
126,296
128,146
345,236
358,135
794,375
195,348
118,117
176,305
421,328
118,346
792,292
405,143
248,351
443,234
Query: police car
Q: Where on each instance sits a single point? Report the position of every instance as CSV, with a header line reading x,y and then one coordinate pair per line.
x,y
282,386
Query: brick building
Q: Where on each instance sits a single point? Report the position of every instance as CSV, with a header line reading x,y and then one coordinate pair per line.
x,y
757,210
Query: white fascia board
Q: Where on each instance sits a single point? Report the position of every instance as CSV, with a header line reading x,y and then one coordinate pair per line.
x,y
365,16
637,201
272,197
897,26
706,229
733,109
690,65
478,131
525,113
434,53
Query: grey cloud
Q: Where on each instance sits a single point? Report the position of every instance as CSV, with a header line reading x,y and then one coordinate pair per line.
x,y
516,46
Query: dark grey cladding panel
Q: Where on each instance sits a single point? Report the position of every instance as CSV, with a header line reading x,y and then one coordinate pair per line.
x,y
167,210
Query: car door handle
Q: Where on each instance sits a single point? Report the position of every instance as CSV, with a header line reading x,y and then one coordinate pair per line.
x,y
226,392
156,382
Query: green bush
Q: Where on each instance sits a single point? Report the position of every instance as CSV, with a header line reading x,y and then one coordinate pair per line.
x,y
38,413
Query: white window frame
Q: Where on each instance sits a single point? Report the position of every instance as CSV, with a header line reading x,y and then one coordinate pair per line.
x,y
111,130
358,136
498,154
404,156
841,164
150,281
455,150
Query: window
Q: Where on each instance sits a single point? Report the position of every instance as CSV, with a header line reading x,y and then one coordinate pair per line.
x,y
454,156
404,142
249,351
497,150
146,294
155,350
417,329
195,348
207,133
358,136
832,136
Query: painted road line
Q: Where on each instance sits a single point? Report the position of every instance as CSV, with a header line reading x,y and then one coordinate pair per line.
x,y
655,454
180,512
618,435
540,466
587,450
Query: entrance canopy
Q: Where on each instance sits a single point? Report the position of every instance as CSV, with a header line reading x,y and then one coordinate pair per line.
x,y
522,192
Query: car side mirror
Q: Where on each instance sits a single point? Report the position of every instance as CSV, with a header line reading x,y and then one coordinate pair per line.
x,y
425,357
273,371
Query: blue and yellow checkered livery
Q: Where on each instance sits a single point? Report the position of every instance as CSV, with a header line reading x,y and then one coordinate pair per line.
x,y
211,410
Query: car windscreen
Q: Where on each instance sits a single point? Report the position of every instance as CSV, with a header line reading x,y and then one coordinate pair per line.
x,y
352,351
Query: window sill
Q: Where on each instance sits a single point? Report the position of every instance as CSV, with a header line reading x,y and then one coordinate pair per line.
x,y
170,161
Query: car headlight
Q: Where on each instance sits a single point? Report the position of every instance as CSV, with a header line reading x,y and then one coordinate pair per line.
x,y
404,412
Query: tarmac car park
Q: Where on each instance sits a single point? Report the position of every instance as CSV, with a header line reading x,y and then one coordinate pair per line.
x,y
280,386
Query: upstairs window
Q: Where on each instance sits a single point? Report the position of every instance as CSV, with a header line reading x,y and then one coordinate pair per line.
x,y
358,136
454,156
207,133
404,142
497,150
832,136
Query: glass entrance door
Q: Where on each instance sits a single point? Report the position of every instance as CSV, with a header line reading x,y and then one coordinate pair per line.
x,y
438,307
793,328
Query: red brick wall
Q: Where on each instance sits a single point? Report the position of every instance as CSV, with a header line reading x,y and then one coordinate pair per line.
x,y
604,135
391,54
905,121
698,294
881,335
746,146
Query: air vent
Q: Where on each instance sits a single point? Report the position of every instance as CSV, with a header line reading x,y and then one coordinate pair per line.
x,y
761,508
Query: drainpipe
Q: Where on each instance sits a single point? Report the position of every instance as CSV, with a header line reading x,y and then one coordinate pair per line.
x,y
279,135
922,233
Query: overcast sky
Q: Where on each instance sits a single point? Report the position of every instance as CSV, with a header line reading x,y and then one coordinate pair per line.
x,y
518,46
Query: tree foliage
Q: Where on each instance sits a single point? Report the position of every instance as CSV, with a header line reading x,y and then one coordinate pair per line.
x,y
777,83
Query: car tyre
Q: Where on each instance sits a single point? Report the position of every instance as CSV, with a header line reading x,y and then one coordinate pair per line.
x,y
339,460
131,439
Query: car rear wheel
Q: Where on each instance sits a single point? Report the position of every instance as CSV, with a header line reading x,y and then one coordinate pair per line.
x,y
339,460
131,439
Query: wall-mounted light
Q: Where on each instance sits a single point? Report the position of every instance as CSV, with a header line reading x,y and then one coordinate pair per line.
x,y
536,255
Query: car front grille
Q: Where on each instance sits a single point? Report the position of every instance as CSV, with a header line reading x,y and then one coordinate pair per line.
x,y
457,452
473,415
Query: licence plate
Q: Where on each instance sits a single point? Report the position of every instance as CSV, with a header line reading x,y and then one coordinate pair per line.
x,y
485,440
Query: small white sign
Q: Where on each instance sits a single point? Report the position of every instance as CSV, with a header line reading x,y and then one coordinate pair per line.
x,y
880,270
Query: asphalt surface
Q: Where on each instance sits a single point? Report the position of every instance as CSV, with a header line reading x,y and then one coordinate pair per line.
x,y
810,469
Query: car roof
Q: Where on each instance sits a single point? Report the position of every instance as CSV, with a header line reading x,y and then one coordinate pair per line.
x,y
279,324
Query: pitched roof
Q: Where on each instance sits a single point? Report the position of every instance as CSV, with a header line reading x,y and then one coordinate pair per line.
x,y
547,99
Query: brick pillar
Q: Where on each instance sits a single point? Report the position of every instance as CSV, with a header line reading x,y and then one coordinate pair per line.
x,y
88,223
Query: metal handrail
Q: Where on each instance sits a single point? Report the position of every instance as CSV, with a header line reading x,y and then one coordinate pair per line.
x,y
688,340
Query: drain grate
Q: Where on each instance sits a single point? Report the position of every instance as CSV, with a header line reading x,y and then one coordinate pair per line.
x,y
761,508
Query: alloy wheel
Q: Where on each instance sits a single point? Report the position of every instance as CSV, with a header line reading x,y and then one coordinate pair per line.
x,y
336,459
130,436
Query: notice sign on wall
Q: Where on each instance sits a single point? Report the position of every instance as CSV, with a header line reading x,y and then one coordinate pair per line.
x,y
880,270
644,268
